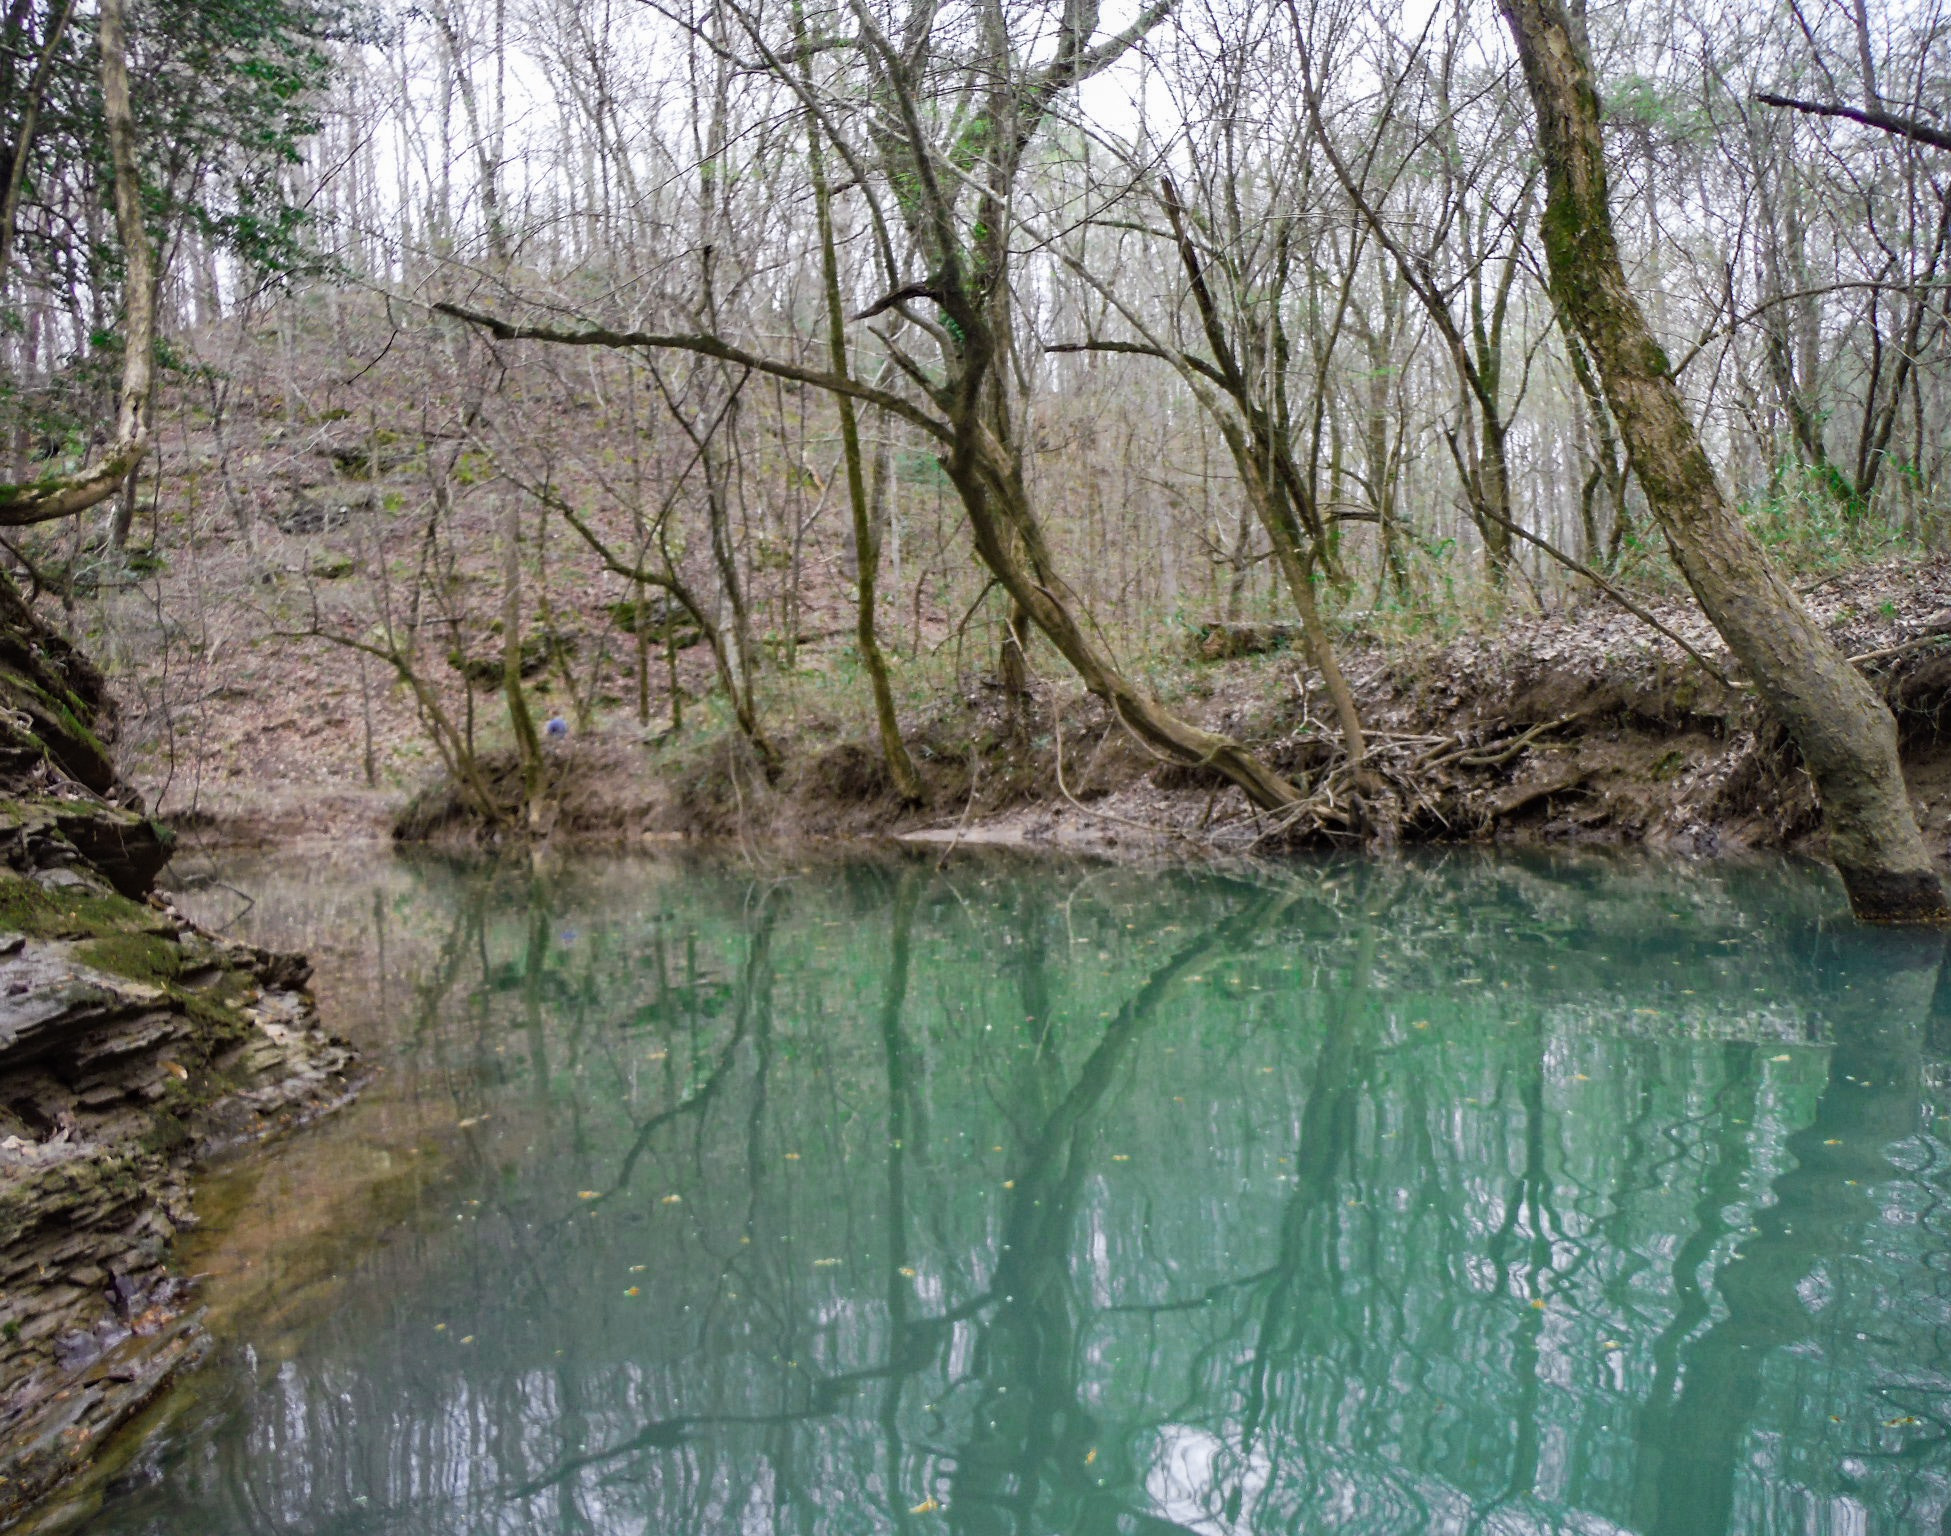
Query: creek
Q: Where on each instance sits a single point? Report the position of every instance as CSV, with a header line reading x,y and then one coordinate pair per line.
x,y
1465,1193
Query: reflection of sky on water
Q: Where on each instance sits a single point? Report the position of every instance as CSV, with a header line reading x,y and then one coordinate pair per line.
x,y
1470,1195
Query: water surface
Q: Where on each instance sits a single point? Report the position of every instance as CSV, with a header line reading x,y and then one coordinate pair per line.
x,y
1469,1195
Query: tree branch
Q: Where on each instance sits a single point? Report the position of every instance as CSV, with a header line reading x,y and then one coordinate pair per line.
x,y
703,346
1889,122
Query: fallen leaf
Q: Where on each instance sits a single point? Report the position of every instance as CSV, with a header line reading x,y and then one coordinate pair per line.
x,y
1783,1057
673,1200
825,1263
925,1507
589,1194
635,1290
1091,1457
907,1271
1539,1304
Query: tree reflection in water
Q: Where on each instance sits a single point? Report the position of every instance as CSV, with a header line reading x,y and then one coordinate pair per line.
x,y
1465,1195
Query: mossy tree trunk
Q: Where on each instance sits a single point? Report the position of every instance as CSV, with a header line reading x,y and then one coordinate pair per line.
x,y
867,543
1846,735
521,721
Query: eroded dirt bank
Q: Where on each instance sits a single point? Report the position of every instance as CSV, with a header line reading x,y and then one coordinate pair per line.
x,y
1587,725
131,1044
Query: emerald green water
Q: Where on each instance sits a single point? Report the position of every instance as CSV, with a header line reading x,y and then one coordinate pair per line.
x,y
1464,1195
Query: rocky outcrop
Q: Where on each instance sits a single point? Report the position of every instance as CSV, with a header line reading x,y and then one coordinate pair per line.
x,y
131,1044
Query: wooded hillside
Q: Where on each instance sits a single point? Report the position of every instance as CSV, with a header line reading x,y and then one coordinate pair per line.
x,y
709,368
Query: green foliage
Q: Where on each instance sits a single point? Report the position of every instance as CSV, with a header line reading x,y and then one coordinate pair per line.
x,y
1811,519
226,92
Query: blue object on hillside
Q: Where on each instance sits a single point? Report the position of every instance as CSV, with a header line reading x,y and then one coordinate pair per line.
x,y
556,728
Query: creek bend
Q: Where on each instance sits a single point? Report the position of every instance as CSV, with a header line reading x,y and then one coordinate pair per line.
x,y
1461,1193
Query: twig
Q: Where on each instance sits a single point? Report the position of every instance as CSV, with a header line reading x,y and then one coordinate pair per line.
x,y
1920,643
1612,592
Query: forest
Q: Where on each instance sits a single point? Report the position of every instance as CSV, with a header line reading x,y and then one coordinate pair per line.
x,y
751,385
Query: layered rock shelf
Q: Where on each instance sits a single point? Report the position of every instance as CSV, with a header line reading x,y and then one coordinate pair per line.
x,y
132,1044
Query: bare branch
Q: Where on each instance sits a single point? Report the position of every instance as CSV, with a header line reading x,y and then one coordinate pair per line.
x,y
1871,117
703,346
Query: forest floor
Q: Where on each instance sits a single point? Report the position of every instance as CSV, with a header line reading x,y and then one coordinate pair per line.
x,y
1587,725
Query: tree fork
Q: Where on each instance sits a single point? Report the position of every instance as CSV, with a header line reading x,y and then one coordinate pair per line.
x,y
1846,735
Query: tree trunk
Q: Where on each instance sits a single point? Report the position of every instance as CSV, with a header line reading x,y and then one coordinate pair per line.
x,y
1846,735
528,744
1009,543
64,495
867,543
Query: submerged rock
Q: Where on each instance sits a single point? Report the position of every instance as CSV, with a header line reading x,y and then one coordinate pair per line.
x,y
131,1044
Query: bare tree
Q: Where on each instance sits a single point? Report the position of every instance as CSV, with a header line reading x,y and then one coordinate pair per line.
x,y
1845,733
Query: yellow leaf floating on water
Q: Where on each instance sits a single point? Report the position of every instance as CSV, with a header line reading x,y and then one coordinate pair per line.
x,y
907,1271
638,1269
792,1157
673,1200
1610,1344
1893,1423
635,1290
825,1263
1783,1057
1120,1157
1091,1457
926,1507
589,1194
1539,1304
1833,1141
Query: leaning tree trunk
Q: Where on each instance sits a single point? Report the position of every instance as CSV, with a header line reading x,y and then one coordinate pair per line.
x,y
1846,735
